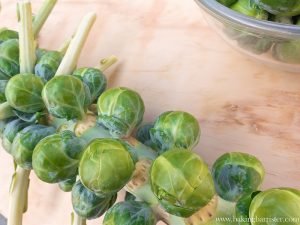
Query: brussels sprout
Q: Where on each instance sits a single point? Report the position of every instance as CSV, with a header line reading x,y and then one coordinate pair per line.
x,y
48,64
106,166
56,157
250,8
3,84
236,174
25,142
65,97
282,204
10,132
255,44
29,117
227,2
6,34
130,213
282,8
94,79
89,205
6,111
67,185
288,52
9,59
120,111
242,208
175,129
23,92
39,52
3,124
182,182
143,134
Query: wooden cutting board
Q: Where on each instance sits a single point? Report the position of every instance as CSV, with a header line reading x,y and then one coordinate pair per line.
x,y
176,61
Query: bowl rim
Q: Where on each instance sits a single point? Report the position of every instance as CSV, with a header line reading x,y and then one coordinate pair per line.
x,y
222,12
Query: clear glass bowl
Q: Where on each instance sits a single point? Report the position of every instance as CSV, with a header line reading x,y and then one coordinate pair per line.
x,y
274,44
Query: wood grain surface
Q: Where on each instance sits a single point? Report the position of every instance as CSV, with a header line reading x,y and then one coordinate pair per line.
x,y
172,57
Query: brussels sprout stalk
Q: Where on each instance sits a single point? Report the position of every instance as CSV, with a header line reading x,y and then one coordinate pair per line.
x,y
139,185
78,220
70,60
18,196
42,15
26,38
107,62
64,47
20,180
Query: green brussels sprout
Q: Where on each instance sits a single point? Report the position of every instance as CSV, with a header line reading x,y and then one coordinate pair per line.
x,y
3,124
29,117
282,204
143,134
130,213
282,8
120,111
227,2
6,111
67,185
23,92
9,59
10,132
182,182
101,169
6,34
25,142
87,204
94,79
242,208
288,52
39,52
3,84
65,97
254,43
56,157
48,64
250,8
175,130
236,174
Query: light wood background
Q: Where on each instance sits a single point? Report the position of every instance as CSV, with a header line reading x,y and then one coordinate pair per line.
x,y
172,57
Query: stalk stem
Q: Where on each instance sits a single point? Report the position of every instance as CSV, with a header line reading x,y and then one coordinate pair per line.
x,y
42,15
77,220
64,47
107,62
20,181
70,60
18,196
26,38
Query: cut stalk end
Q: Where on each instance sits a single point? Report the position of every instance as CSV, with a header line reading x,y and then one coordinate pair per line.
x,y
42,15
26,38
107,62
71,57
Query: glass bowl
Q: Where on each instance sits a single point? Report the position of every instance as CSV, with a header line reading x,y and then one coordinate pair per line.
x,y
274,44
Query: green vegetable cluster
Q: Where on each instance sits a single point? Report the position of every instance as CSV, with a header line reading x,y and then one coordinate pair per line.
x,y
92,142
284,12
